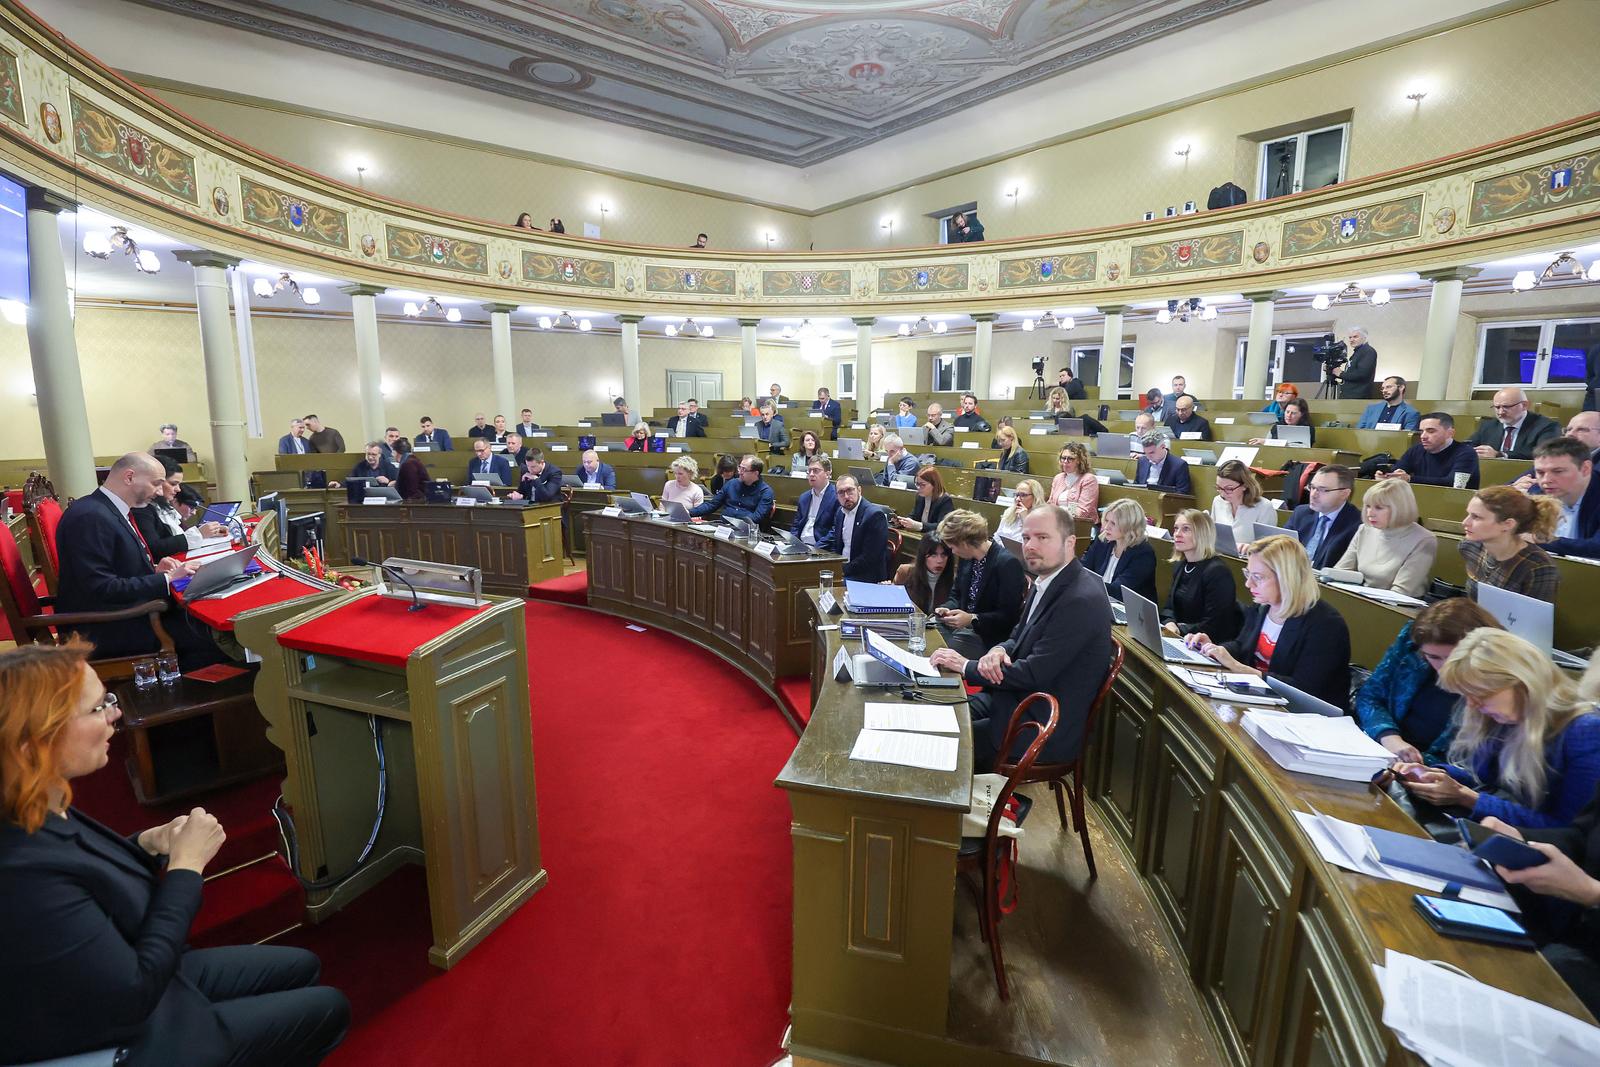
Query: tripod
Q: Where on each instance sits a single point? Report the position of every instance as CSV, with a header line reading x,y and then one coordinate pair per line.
x,y
1038,388
1328,389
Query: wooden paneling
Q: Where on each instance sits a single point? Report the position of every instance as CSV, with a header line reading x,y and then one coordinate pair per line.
x,y
505,543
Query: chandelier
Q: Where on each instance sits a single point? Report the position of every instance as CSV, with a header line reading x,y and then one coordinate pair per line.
x,y
1048,319
1189,310
1350,294
100,246
430,306
1564,264
269,289
922,325
807,328
690,328
565,321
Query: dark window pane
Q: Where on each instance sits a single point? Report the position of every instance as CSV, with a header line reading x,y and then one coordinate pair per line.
x,y
1509,355
1277,168
1322,158
1569,349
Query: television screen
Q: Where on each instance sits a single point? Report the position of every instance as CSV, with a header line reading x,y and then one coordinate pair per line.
x,y
1566,365
13,241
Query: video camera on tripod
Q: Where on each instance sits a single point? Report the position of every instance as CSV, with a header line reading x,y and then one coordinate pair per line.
x,y
1330,353
1038,389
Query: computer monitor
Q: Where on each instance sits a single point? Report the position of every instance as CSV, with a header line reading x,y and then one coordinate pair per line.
x,y
303,532
613,418
177,455
274,504
986,489
355,489
1069,426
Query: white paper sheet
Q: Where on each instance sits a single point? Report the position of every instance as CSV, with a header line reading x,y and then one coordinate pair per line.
x,y
1383,596
911,662
914,718
928,751
1346,844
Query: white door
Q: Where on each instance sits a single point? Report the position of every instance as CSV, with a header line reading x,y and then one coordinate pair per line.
x,y
698,385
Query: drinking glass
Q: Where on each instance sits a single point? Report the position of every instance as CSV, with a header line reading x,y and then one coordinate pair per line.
x,y
917,636
167,668
824,581
144,673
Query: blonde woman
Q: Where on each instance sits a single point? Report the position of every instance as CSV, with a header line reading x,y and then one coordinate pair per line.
x,y
1057,403
875,447
1527,750
682,486
1391,550
1120,555
1076,488
1012,458
1203,598
639,440
1289,632
1239,503
1028,495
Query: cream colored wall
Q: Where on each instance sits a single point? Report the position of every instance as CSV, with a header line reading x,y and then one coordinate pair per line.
x,y
1486,81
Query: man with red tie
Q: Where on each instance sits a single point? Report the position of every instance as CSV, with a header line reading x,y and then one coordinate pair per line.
x,y
106,565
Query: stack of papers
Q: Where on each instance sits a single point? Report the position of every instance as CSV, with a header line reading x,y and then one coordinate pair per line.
x,y
1382,596
1314,744
1348,845
1451,1020
929,751
1213,685
913,718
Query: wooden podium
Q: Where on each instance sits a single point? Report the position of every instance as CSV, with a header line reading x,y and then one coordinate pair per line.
x,y
448,688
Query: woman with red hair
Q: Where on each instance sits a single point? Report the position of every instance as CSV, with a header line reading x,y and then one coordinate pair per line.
x,y
94,923
1281,398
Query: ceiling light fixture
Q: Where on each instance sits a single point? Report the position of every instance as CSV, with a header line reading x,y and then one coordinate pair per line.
x,y
430,306
690,328
1060,322
1185,310
1563,267
266,289
565,321
100,246
922,325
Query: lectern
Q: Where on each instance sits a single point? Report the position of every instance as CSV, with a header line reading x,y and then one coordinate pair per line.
x,y
446,690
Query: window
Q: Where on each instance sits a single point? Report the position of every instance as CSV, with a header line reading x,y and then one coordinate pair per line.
x,y
1302,161
846,388
1536,354
952,372
1086,367
943,218
1274,367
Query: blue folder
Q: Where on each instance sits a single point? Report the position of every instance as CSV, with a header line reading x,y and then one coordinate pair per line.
x,y
1433,858
869,598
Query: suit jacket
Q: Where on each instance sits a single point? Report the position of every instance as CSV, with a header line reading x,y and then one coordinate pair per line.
x,y
1536,430
826,513
774,433
1076,391
830,411
439,440
1064,651
1345,523
286,445
526,429
105,567
700,418
1000,591
495,465
94,938
869,542
693,426
1312,654
604,473
943,506
1355,380
1174,476
1585,539
1407,416
162,542
543,487
485,430
906,465
1136,569
941,434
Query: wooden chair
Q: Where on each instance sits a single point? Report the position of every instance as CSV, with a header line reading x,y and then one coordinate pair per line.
x,y
891,551
982,854
43,509
1057,773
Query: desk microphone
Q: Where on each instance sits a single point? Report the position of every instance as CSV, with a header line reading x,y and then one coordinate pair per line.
x,y
394,572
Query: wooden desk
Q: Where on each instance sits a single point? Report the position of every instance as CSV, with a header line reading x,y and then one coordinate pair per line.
x,y
513,546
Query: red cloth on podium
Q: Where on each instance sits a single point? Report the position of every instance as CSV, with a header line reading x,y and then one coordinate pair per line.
x,y
219,614
376,629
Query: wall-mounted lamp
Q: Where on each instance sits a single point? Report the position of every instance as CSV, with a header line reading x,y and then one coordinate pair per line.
x,y
1184,152
887,224
1417,97
605,209
361,176
769,240
1014,194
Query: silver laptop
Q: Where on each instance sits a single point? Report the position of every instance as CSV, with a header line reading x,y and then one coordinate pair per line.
x,y
1203,456
852,448
1303,703
1260,418
1144,623
486,478
863,475
1292,435
1070,426
748,430
382,492
1226,545
913,435
1531,619
1113,444
1267,529
1111,477
675,511
219,573
885,419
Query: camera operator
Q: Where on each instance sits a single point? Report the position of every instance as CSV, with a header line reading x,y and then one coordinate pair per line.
x,y
964,228
1356,374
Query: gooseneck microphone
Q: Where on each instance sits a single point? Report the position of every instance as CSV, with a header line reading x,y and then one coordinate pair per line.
x,y
393,572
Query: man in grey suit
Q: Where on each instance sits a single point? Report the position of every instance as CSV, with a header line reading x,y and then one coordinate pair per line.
x,y
940,431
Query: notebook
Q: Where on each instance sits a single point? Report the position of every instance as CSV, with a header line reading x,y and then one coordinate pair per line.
x,y
869,598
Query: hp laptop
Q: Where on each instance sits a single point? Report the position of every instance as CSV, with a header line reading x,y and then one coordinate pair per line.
x,y
1069,426
1530,619
852,448
1113,444
1302,703
1144,623
1292,435
219,573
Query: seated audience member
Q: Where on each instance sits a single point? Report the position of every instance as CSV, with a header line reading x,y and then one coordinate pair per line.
x,y
1297,412
897,461
1025,496
1437,458
1238,503
411,482
746,497
930,577
527,427
1076,489
1566,475
484,461
1285,392
1391,549
1392,409
1065,379
700,241
970,419
374,468
1012,458
818,506
810,447
831,411
697,415
748,407
1326,525
988,590
1121,555
940,431
169,439
1155,405
1180,386
727,470
1145,423
860,534
391,438
1183,422
933,502
619,406
1057,404
639,439
541,480
434,438
324,439
94,923
1515,430
294,442
1158,468
525,222
159,523
1495,550
1289,632
964,228
770,428
515,449
1060,644
480,427
557,226
1203,598
873,447
684,424
1401,705
594,473
500,431
775,394
682,487
1001,423
1585,426
905,416
1527,744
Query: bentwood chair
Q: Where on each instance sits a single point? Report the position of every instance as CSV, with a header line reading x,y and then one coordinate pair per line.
x,y
991,856
1057,774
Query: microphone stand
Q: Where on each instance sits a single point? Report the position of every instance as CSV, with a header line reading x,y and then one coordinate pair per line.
x,y
393,572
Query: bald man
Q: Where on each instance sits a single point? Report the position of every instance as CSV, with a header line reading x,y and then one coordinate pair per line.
x,y
1514,431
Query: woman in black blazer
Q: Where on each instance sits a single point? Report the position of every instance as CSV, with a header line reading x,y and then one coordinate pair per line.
x,y
1290,633
1203,598
1122,551
1012,458
932,505
94,928
639,439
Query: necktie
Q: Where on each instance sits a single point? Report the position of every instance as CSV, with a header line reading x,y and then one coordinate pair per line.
x,y
140,536
1511,433
1027,611
1318,534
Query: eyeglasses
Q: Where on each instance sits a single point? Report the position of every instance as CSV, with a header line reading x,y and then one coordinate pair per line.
x,y
103,709
1508,407
1228,487
1253,578
1315,489
1019,494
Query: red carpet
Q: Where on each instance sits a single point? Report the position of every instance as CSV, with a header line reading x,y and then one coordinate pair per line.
x,y
796,693
568,589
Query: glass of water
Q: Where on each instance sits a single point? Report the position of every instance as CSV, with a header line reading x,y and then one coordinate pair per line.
x,y
167,668
917,635
824,581
144,673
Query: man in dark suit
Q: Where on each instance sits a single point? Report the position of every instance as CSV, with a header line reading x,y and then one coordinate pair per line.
x,y
817,506
1158,468
746,497
390,446
989,585
970,418
527,425
1326,525
1565,472
684,423
1069,381
541,481
698,416
860,534
1514,432
480,427
593,472
434,438
1360,368
1184,421
830,410
1061,645
516,451
160,524
294,442
484,461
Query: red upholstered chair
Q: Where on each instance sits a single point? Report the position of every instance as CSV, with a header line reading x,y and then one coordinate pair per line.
x,y
983,856
1057,773
43,510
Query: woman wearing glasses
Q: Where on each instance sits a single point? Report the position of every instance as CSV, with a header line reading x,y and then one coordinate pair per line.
x,y
1076,488
1026,497
1239,503
94,923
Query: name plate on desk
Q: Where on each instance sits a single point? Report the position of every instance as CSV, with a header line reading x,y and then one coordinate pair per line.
x,y
962,429
422,448
602,448
674,448
1388,426
538,433
766,548
611,512
1189,435
826,604
841,666
1222,420
585,425
1193,461
380,501
722,533
814,414
969,444
465,502
559,448
1038,431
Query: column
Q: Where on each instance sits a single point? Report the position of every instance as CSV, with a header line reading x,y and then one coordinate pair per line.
x,y
747,359
1444,312
630,363
865,400
53,349
369,367
1111,352
505,393
982,344
232,466
1258,350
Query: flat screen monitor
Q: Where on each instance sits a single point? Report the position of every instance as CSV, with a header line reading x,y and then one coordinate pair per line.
x,y
303,532
13,241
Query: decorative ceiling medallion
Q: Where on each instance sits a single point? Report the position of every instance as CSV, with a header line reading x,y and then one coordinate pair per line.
x,y
552,73
50,119
369,245
1261,252
219,200
1113,272
1444,220
504,269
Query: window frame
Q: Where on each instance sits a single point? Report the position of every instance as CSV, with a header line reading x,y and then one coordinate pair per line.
x,y
1300,158
1547,332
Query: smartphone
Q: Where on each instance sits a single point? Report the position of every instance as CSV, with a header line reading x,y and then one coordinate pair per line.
x,y
1472,922
1502,850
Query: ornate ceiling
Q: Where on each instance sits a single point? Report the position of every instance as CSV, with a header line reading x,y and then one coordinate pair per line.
x,y
783,80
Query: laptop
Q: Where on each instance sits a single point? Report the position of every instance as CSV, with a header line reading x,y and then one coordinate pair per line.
x,y
382,492
1267,529
486,478
1113,444
675,511
221,511
1226,545
790,545
1070,426
1292,435
1203,456
914,435
852,448
748,431
863,475
480,493
986,489
629,505
1260,418
1111,477
1530,619
439,491
219,573
884,419
1302,703
613,418
1144,623
179,456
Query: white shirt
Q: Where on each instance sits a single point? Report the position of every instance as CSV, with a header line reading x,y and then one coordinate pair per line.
x,y
1039,587
809,534
681,426
1568,524
849,526
1244,519
1111,568
123,510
